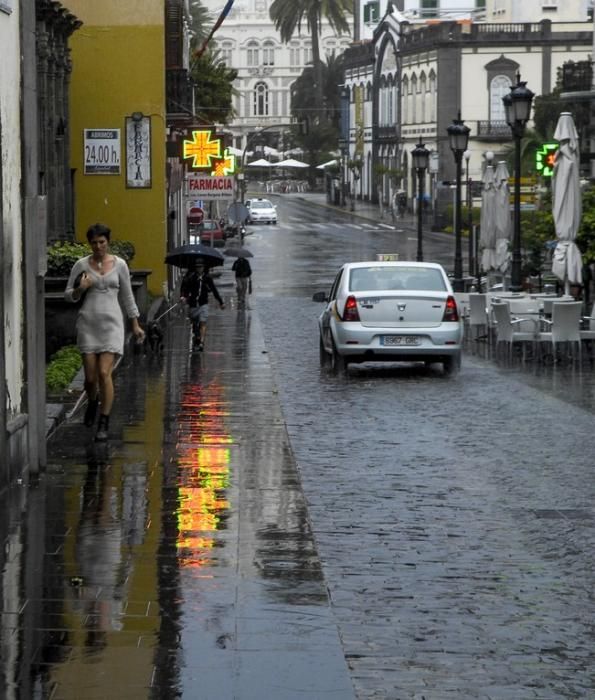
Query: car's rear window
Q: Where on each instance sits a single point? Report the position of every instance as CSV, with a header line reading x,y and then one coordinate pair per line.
x,y
395,278
209,225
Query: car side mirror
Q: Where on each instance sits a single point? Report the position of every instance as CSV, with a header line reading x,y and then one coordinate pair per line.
x,y
319,296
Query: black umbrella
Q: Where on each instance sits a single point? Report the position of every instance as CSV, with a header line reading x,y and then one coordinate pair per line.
x,y
237,252
187,255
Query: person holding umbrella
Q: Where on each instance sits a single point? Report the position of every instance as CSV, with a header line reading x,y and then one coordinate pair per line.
x,y
194,291
243,271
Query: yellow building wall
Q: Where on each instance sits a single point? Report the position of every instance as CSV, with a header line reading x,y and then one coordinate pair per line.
x,y
118,67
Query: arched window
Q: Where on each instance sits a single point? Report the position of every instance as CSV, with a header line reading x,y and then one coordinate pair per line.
x,y
433,97
423,89
307,52
404,99
261,100
268,53
413,96
294,54
226,48
253,57
499,86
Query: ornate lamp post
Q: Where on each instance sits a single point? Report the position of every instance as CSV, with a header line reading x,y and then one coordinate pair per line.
x,y
458,136
420,157
469,198
517,105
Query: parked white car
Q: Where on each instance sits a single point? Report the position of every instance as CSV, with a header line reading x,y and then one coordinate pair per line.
x,y
390,311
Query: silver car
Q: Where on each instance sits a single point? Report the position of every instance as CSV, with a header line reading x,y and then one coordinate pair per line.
x,y
390,311
262,211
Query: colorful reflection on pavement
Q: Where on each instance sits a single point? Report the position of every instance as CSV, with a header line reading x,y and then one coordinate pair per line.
x,y
203,460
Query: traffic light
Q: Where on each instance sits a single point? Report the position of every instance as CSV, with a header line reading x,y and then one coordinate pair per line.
x,y
545,158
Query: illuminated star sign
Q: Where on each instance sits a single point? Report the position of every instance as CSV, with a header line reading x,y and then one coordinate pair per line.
x,y
226,166
545,159
202,149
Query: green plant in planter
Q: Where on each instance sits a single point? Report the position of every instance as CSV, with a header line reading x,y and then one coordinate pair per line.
x,y
63,254
62,368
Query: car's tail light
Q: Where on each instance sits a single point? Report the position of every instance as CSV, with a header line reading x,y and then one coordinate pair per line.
x,y
350,312
451,313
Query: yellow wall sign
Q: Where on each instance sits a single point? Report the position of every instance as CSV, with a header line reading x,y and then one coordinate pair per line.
x,y
202,147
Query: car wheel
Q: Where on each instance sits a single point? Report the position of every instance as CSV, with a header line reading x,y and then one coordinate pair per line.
x,y
338,362
324,356
452,364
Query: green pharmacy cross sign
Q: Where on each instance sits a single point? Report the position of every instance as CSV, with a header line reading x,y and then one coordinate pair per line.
x,y
545,158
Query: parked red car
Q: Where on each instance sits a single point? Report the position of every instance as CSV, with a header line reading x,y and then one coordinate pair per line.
x,y
211,233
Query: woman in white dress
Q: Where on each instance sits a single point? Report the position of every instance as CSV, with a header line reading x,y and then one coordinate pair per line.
x,y
103,280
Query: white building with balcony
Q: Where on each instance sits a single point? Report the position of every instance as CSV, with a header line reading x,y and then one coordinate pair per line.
x,y
267,67
536,10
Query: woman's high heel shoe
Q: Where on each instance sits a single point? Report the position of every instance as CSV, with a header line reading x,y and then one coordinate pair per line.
x,y
102,428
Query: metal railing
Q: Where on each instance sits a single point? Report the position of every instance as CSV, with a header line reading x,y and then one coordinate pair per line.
x,y
493,129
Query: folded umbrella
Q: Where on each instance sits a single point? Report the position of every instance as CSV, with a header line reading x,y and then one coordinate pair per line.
x,y
187,255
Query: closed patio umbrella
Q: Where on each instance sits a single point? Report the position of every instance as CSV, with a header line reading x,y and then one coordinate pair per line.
x,y
487,239
502,217
567,206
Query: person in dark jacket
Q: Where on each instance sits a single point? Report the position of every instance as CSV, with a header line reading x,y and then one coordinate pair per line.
x,y
194,291
243,271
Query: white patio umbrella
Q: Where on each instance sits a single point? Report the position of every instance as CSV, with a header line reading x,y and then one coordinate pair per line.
x,y
290,163
502,217
270,151
567,206
487,238
328,164
260,163
233,151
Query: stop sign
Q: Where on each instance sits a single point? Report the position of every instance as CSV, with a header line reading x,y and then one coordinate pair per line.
x,y
196,215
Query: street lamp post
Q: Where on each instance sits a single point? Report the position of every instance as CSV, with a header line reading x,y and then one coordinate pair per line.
x,y
458,136
517,105
469,198
420,157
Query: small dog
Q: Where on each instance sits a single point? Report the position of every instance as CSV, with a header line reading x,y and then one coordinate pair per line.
x,y
155,338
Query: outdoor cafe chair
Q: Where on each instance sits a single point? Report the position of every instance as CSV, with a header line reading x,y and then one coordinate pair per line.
x,y
508,328
478,316
527,310
589,333
564,327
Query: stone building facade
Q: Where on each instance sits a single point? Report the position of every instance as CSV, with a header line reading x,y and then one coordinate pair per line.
x,y
420,75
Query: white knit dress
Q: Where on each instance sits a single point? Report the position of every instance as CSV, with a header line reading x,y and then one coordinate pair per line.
x,y
100,323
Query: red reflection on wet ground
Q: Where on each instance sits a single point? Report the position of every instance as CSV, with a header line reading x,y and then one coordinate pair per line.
x,y
203,459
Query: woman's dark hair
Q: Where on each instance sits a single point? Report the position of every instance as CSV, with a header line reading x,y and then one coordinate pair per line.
x,y
98,230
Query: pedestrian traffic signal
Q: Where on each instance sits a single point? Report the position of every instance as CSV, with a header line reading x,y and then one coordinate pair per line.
x,y
545,159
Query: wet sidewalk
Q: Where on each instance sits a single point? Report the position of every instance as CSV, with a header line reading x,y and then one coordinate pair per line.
x,y
178,561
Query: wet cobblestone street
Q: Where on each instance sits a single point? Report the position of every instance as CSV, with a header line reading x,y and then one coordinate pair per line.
x,y
454,519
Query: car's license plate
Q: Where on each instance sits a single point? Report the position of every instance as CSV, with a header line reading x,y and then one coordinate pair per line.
x,y
401,340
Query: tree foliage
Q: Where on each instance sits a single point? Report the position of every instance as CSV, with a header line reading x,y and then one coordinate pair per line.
x,y
213,79
321,136
289,16
214,89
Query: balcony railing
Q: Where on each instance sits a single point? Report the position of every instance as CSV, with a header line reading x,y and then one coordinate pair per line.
x,y
496,130
577,76
178,92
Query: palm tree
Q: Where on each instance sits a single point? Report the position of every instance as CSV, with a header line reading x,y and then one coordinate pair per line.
x,y
201,21
288,17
